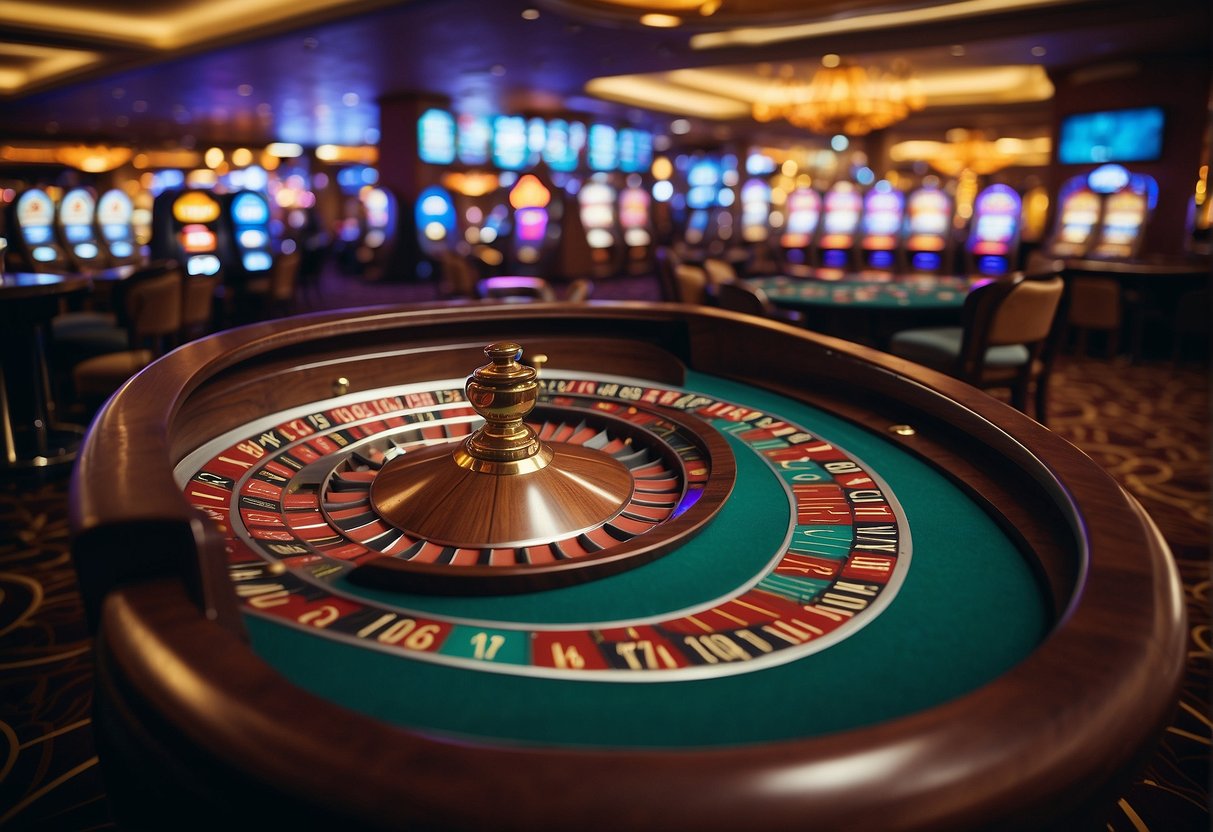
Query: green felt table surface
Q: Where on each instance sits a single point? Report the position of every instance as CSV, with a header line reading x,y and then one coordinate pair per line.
x,y
969,608
918,293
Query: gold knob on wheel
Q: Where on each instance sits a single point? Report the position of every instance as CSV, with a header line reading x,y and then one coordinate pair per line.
x,y
503,392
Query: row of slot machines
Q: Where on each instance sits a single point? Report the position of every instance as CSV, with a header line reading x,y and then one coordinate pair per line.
x,y
1102,214
885,230
209,233
79,233
537,227
206,232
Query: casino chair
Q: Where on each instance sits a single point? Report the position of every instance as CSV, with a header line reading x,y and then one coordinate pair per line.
x,y
198,304
691,285
1095,304
457,276
77,335
579,290
273,294
152,308
667,261
739,296
1008,338
719,271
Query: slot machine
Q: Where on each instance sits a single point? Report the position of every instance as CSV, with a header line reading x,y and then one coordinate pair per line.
x,y
994,232
881,228
435,217
596,203
703,193
755,212
536,224
841,209
378,244
249,248
635,219
1078,211
928,242
186,226
33,243
115,228
75,217
803,213
1127,206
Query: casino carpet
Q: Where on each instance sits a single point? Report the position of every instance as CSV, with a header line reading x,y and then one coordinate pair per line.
x,y
1147,424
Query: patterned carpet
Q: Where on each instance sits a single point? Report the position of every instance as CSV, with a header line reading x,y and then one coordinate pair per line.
x,y
1148,425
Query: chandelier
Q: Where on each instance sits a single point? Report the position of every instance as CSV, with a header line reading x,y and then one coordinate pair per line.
x,y
971,150
842,97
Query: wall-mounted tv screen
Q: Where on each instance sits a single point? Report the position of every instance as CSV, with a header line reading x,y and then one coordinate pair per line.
x,y
1133,135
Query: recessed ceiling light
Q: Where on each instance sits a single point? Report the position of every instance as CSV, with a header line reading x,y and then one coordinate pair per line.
x,y
530,14
661,21
1039,51
830,61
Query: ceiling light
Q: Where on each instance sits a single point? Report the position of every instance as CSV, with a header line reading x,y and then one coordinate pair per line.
x,y
530,14
661,21
843,98
285,150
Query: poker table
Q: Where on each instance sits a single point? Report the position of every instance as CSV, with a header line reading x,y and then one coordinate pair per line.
x,y
843,592
866,309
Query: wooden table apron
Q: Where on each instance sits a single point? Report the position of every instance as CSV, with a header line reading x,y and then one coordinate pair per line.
x,y
1039,744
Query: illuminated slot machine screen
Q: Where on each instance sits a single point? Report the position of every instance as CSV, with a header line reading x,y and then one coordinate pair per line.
x,y
474,138
883,211
755,211
197,216
634,205
115,213
1130,197
635,150
529,199
1125,215
992,242
510,149
703,192
929,212
436,137
804,212
840,214
35,215
603,147
1077,218
435,217
597,204
379,207
77,210
558,150
250,214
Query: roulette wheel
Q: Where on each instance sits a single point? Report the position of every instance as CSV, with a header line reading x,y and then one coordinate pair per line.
x,y
646,566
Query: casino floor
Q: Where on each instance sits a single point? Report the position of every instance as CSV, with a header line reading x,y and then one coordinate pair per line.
x,y
1148,424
